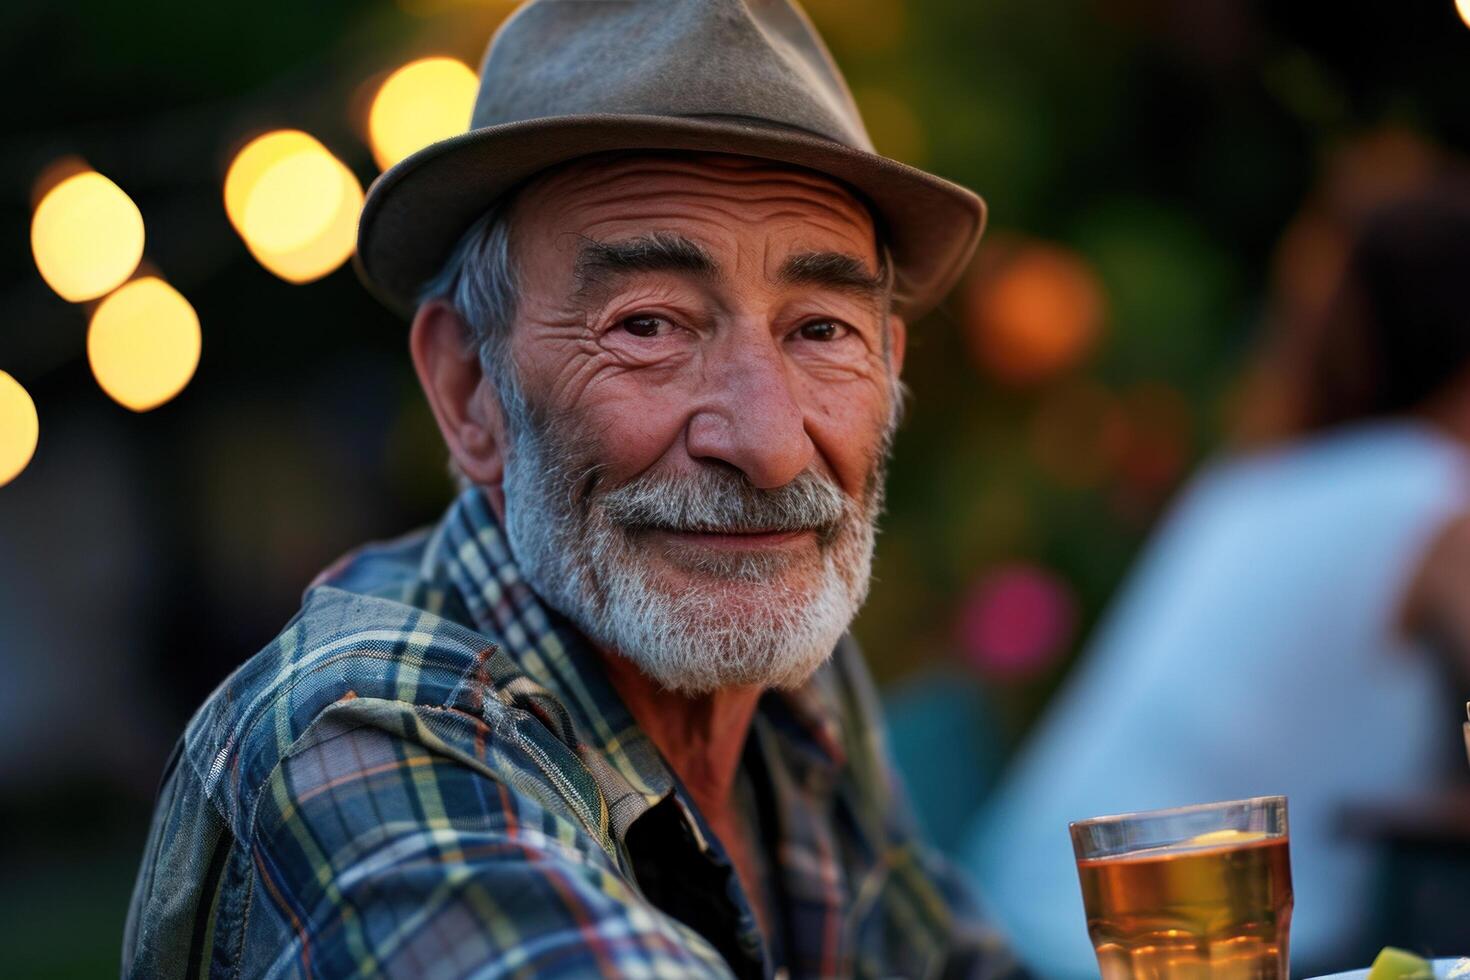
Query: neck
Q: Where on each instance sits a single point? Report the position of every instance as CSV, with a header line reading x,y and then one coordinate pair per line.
x,y
700,736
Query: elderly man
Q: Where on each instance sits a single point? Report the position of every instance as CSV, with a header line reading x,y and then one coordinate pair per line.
x,y
603,719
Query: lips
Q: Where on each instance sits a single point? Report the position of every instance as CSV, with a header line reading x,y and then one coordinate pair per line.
x,y
753,531
741,538
727,531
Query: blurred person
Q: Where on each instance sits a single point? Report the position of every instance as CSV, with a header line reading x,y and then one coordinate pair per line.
x,y
605,718
1280,633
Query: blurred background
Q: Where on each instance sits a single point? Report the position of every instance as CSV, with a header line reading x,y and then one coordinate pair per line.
x,y
218,409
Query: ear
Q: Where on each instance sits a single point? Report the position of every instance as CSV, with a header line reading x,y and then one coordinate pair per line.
x,y
898,332
462,397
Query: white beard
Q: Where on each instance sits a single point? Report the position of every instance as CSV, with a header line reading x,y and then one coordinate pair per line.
x,y
763,619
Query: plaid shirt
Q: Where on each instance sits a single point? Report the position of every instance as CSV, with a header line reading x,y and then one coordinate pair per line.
x,y
427,774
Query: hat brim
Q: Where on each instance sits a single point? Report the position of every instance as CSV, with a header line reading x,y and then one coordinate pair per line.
x,y
417,210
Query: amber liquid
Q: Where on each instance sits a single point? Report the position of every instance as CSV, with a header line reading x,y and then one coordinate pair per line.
x,y
1176,912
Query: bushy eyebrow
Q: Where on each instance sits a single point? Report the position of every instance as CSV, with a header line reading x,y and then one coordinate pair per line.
x,y
835,271
599,265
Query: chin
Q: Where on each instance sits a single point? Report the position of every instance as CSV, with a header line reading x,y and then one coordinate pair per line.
x,y
696,638
718,669
742,572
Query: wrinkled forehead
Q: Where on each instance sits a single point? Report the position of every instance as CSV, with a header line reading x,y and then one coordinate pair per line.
x,y
608,196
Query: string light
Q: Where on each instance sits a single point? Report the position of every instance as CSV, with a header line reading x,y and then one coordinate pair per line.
x,y
19,428
294,204
143,343
86,236
421,103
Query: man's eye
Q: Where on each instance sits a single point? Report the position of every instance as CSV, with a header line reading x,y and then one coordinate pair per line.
x,y
821,330
644,326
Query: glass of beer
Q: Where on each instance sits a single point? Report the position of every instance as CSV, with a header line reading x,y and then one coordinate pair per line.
x,y
1193,892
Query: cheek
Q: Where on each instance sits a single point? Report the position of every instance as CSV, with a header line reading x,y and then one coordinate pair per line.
x,y
846,422
636,425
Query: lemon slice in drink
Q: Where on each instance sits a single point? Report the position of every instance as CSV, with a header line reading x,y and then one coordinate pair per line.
x,y
1398,964
1225,837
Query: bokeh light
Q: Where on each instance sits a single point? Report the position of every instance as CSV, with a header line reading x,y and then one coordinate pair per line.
x,y
1160,429
294,204
1016,620
1371,169
19,428
1463,6
1079,433
86,236
421,103
143,343
1037,312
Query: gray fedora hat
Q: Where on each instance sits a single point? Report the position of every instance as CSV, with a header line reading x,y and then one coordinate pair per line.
x,y
567,78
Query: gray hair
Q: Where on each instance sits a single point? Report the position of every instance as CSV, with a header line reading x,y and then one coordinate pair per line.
x,y
480,282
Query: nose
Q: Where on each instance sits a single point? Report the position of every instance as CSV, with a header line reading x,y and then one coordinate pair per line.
x,y
748,415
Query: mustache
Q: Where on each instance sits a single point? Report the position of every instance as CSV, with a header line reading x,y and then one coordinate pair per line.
x,y
716,501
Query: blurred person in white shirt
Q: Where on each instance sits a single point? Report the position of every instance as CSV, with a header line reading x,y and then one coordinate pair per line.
x,y
1282,631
